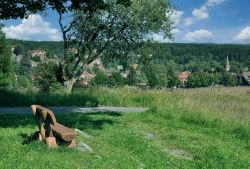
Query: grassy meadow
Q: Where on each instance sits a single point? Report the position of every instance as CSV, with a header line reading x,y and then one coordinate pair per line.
x,y
185,128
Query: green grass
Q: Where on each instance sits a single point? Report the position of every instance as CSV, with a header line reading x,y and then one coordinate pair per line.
x,y
212,128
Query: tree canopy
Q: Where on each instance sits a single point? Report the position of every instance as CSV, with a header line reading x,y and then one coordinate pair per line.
x,y
5,61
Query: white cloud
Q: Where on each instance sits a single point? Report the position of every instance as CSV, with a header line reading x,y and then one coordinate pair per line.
x,y
198,36
244,35
188,21
201,13
175,31
33,28
159,37
176,17
214,2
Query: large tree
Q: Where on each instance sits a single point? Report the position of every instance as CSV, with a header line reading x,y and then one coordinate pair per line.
x,y
6,73
94,26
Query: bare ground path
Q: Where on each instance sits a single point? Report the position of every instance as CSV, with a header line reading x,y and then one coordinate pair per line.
x,y
86,110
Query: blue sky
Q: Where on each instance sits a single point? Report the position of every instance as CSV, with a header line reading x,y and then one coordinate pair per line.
x,y
195,21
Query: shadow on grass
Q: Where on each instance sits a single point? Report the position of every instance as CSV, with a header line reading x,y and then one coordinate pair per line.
x,y
76,120
16,99
27,139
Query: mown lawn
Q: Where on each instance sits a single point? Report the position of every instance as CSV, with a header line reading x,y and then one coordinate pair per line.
x,y
198,128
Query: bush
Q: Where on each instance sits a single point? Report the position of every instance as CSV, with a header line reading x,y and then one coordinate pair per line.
x,y
56,87
100,79
132,77
18,50
23,82
116,80
202,79
47,76
229,79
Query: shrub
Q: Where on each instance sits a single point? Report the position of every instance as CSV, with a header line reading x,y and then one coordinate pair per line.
x,y
229,79
47,76
100,79
115,80
132,77
6,71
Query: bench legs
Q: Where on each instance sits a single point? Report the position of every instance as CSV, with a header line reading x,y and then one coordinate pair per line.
x,y
72,144
51,142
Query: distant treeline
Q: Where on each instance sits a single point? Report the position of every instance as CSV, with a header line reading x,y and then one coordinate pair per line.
x,y
51,47
184,53
181,54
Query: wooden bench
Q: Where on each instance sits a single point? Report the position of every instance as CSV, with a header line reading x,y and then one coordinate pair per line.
x,y
50,130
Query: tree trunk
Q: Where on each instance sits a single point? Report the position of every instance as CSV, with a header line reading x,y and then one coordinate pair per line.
x,y
69,85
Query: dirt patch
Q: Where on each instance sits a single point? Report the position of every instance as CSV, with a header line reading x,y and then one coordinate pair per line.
x,y
180,154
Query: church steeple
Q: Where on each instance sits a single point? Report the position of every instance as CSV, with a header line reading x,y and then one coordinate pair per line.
x,y
227,65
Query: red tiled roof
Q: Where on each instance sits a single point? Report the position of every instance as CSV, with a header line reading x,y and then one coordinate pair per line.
x,y
184,75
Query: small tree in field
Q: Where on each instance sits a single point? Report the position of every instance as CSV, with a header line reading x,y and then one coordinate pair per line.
x,y
116,80
229,79
132,79
25,66
101,79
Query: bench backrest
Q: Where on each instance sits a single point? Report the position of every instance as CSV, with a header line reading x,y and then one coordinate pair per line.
x,y
44,117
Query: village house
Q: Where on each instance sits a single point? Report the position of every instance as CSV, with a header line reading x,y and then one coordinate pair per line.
x,y
87,76
38,53
183,76
246,78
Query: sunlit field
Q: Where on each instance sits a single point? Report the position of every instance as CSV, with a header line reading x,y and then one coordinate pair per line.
x,y
184,128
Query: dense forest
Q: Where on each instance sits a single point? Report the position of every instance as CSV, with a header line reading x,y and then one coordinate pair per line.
x,y
52,48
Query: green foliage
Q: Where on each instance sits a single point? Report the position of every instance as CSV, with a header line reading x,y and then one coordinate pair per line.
x,y
116,80
18,50
151,75
100,79
36,59
56,87
132,77
229,79
47,76
52,48
6,71
199,79
25,66
197,57
204,79
109,28
23,82
173,80
163,80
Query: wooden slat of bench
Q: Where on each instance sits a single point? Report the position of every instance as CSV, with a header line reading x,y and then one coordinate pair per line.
x,y
65,133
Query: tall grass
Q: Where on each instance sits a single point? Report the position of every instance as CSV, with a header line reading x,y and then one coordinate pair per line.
x,y
26,98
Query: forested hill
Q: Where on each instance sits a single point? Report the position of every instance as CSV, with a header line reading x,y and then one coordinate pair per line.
x,y
52,47
183,53
163,52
